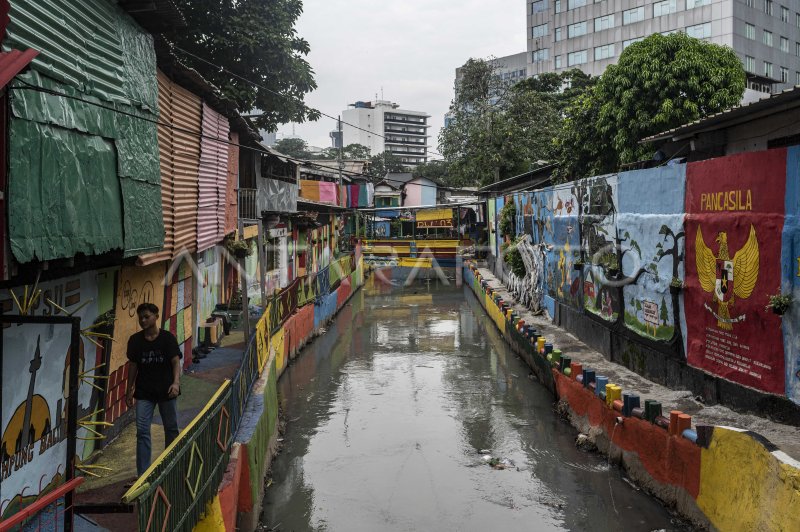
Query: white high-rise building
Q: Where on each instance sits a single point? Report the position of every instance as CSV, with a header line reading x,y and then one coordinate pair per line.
x,y
591,34
382,126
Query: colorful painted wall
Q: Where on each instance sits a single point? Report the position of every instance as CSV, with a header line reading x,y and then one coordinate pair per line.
x,y
641,250
35,390
703,471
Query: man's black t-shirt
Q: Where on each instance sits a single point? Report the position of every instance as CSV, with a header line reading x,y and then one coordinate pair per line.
x,y
154,364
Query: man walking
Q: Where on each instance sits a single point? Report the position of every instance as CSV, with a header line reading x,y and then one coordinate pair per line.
x,y
153,379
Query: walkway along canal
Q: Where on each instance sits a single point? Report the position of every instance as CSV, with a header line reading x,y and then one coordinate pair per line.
x,y
413,413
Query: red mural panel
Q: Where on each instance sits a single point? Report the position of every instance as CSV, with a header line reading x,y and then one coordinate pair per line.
x,y
734,220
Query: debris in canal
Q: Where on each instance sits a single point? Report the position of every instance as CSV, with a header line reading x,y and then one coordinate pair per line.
x,y
585,443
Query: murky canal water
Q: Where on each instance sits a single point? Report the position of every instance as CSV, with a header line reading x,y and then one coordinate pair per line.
x,y
392,415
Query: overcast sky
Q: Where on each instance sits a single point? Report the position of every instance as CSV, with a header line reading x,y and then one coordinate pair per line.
x,y
409,48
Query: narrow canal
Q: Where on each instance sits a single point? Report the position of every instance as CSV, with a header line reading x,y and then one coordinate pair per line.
x,y
397,415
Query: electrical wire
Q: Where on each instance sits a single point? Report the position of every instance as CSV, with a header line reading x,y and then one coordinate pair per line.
x,y
257,85
198,134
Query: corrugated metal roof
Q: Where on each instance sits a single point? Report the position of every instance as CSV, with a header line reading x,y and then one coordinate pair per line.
x,y
232,200
179,157
730,116
212,179
187,116
165,159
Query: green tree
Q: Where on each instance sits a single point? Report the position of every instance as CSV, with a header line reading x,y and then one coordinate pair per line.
x,y
355,151
659,83
254,39
433,170
664,312
495,132
382,163
293,147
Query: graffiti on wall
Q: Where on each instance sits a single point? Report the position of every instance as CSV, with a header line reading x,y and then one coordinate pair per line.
x,y
35,391
178,304
651,239
599,241
790,282
136,285
734,216
208,282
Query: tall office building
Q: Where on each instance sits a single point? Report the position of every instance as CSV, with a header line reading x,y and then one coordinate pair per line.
x,y
591,34
382,126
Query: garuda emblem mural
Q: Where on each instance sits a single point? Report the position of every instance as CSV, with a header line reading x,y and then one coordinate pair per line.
x,y
727,279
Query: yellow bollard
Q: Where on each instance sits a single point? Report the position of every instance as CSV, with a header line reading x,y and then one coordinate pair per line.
x,y
613,392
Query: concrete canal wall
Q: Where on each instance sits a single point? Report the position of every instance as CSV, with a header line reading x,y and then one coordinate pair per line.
x,y
719,477
237,505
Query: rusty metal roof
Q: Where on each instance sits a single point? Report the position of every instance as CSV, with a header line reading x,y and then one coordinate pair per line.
x,y
732,116
197,84
14,62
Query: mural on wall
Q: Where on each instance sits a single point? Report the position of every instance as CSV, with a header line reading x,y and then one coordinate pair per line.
x,y
208,283
492,228
650,231
177,314
136,285
600,244
563,228
35,391
790,283
734,213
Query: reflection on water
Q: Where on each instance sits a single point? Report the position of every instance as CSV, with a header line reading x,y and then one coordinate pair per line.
x,y
393,414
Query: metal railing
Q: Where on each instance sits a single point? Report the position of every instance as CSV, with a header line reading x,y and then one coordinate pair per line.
x,y
248,208
174,491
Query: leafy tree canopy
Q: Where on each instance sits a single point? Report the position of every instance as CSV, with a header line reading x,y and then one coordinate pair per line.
x,y
434,170
382,163
351,151
293,147
659,83
255,39
496,131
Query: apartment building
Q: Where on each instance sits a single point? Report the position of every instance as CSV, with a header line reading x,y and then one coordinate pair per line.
x,y
591,34
382,126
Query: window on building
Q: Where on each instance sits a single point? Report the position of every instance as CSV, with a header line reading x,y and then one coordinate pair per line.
x,y
767,69
784,45
797,78
750,63
572,4
691,4
539,31
768,7
784,14
629,42
664,7
541,55
797,49
558,33
557,61
699,31
797,20
784,75
558,6
768,38
604,23
604,52
576,58
633,15
749,31
539,6
577,29
748,3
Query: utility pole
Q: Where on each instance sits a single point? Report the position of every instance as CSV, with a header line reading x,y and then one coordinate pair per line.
x,y
341,146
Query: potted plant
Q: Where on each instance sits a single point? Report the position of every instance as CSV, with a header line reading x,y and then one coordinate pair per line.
x,y
779,303
675,286
238,248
